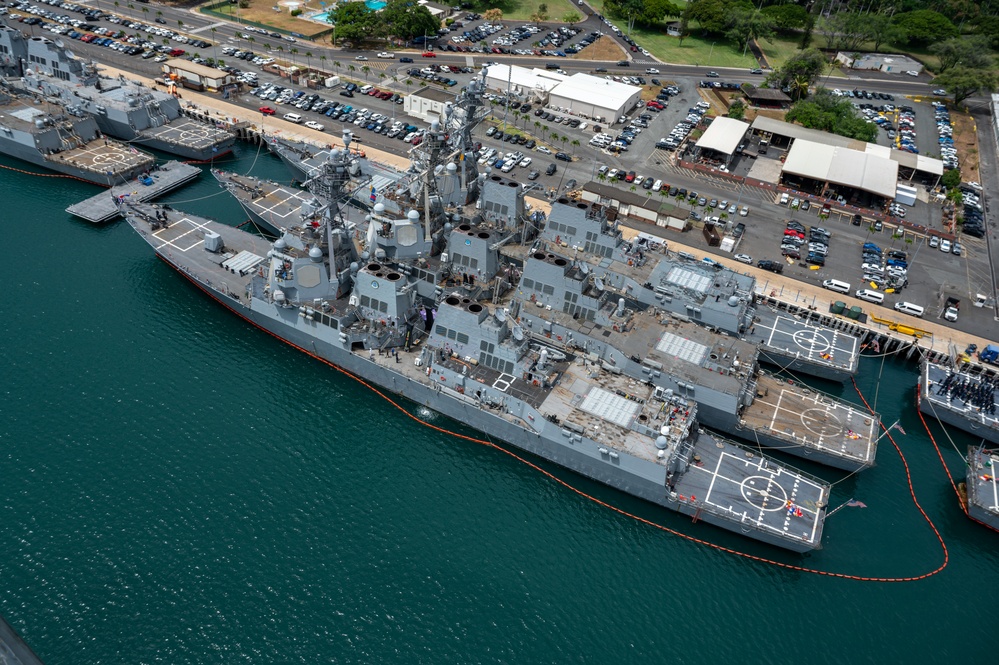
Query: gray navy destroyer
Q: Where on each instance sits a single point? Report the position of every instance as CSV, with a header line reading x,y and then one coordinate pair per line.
x,y
426,305
964,395
43,134
124,109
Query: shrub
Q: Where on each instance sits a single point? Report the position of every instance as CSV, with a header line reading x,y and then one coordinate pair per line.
x,y
296,12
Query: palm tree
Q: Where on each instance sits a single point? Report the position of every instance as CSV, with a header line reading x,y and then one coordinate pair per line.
x,y
159,14
251,40
409,84
537,125
145,10
365,70
266,46
633,188
602,177
351,68
322,61
382,75
180,23
337,65
563,139
308,59
574,144
799,86
214,41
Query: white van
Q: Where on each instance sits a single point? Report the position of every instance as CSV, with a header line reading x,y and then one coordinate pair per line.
x,y
366,89
836,285
870,296
293,117
784,199
910,309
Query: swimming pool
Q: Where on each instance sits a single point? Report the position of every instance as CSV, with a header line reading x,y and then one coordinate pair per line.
x,y
373,5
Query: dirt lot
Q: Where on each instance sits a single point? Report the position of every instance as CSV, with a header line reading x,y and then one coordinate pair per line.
x,y
966,142
604,48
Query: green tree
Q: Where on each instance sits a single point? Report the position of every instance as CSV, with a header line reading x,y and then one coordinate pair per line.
x,y
925,26
571,18
354,21
541,15
961,82
951,178
787,17
832,114
844,30
365,70
970,52
737,110
747,25
800,70
405,20
493,15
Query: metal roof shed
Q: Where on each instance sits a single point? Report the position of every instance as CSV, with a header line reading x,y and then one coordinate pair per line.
x,y
723,135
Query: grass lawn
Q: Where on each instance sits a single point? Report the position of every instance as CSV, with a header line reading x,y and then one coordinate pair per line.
x,y
702,51
521,10
261,11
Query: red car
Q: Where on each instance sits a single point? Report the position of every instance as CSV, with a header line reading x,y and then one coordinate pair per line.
x,y
429,54
267,110
630,177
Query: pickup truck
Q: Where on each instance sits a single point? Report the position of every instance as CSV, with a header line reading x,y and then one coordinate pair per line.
x,y
951,309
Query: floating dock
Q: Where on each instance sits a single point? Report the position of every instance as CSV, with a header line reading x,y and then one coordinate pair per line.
x,y
165,178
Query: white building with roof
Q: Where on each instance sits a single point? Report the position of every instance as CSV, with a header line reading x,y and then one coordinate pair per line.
x,y
595,96
723,136
835,165
525,84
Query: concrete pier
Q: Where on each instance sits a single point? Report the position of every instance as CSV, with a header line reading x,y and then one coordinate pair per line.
x,y
166,178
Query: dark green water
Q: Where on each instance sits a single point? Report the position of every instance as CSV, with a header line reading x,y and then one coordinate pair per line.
x,y
179,488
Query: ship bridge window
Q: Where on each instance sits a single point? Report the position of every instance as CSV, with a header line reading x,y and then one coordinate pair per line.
x,y
462,338
4,49
441,330
528,283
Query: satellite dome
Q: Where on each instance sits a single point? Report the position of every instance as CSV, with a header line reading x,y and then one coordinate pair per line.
x,y
379,208
280,244
354,267
413,216
662,443
435,126
316,254
452,167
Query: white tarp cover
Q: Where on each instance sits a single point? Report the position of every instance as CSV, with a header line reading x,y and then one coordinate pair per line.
x,y
842,166
723,135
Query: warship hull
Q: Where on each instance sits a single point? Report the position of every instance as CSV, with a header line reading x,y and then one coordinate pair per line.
x,y
940,404
632,475
983,487
31,155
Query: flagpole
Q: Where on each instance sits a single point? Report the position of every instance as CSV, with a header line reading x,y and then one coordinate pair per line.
x,y
838,508
887,429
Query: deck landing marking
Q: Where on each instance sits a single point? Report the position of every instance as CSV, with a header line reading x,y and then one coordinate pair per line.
x,y
811,340
758,496
816,421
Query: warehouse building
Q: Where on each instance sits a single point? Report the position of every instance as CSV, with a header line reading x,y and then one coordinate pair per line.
x,y
592,97
601,99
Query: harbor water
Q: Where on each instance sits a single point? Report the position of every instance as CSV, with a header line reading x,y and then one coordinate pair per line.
x,y
178,487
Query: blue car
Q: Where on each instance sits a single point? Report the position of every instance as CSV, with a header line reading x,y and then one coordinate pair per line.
x,y
871,246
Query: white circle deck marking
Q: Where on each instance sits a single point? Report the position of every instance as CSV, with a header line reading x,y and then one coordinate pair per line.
x,y
109,157
190,135
821,422
811,340
760,490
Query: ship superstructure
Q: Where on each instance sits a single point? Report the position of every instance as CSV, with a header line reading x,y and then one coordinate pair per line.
x,y
706,293
44,134
407,304
124,109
